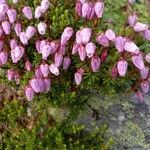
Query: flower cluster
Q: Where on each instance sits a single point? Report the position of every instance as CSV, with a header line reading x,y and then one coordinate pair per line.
x,y
89,10
56,55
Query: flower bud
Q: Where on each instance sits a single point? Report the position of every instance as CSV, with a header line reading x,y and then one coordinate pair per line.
x,y
139,27
28,65
102,40
66,35
6,27
38,72
3,57
95,63
132,18
27,12
86,35
13,43
99,9
78,76
45,5
82,53
144,72
110,34
104,56
145,86
17,28
30,32
15,1
58,58
138,61
78,37
131,47
54,69
147,35
120,43
44,70
54,45
66,63
12,15
114,72
38,12
2,1
17,53
85,9
90,49
122,66
147,58
42,28
29,93
23,38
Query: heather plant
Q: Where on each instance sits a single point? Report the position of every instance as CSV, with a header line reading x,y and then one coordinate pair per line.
x,y
59,50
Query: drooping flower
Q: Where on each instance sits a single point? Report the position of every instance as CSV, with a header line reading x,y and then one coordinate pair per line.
x,y
38,12
90,49
6,27
99,9
12,15
54,69
47,83
85,9
95,63
58,58
66,35
82,52
139,27
104,55
27,12
78,8
3,57
132,19
46,51
138,61
144,72
131,47
78,76
30,32
75,48
102,40
17,28
110,34
44,69
120,43
10,74
147,35
86,35
42,28
13,43
66,63
28,65
45,5
122,66
23,38
29,93
145,86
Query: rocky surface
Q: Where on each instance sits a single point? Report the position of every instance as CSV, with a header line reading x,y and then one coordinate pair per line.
x,y
127,117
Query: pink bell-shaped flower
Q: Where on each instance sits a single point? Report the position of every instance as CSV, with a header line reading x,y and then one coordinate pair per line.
x,y
27,12
47,84
147,35
104,56
13,43
78,76
120,43
131,47
78,37
30,32
44,69
132,19
10,74
42,28
95,63
85,9
12,15
6,27
138,61
147,58
145,86
110,34
90,49
86,35
139,27
3,57
75,48
78,8
45,5
38,12
144,72
58,58
3,8
46,51
17,28
114,72
38,73
82,53
54,69
122,66
66,63
99,9
17,53
66,35
29,93
102,40
23,38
